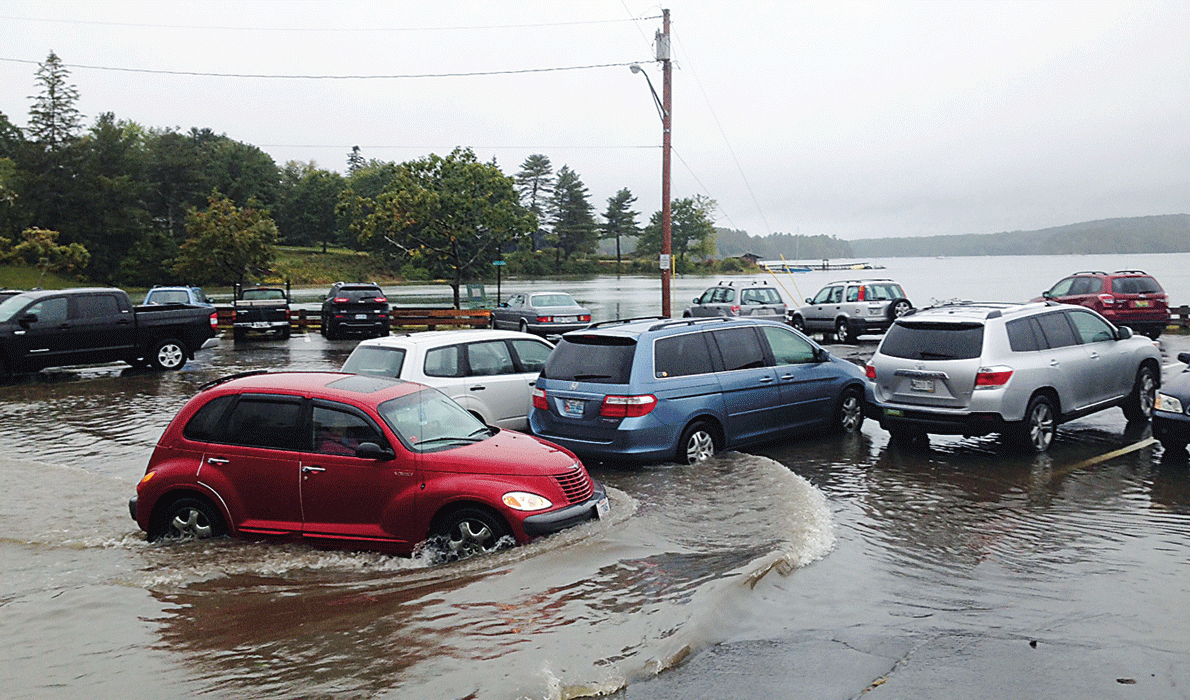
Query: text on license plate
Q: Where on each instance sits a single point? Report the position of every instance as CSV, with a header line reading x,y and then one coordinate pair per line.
x,y
602,508
1141,304
573,407
361,317
926,385
565,319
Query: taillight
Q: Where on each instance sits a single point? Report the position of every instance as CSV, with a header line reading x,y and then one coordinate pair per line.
x,y
380,300
545,319
870,371
1107,299
627,406
340,300
539,400
215,320
584,317
861,293
992,377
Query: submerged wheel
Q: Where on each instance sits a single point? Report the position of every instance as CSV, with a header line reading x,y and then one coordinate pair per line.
x,y
471,531
188,518
1036,432
697,443
843,331
1139,404
849,416
167,355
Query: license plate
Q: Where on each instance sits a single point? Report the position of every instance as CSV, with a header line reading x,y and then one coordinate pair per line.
x,y
1142,304
926,385
565,319
361,317
602,508
573,407
894,412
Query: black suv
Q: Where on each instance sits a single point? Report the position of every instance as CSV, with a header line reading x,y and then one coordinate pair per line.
x,y
354,307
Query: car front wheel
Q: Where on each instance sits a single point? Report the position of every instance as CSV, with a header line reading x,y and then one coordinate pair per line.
x,y
799,323
470,531
1139,404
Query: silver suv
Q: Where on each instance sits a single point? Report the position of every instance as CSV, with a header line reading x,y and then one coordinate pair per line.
x,y
1014,369
738,299
851,308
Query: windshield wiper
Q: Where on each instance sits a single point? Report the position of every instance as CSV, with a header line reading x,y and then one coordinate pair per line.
x,y
581,377
450,438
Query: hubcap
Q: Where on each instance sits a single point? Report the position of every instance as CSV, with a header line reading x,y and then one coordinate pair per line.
x,y
471,537
700,446
191,523
1148,394
851,413
1041,428
169,355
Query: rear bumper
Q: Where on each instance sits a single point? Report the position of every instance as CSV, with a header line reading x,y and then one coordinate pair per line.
x,y
563,518
936,422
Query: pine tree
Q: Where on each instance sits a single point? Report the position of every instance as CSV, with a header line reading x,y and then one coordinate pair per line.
x,y
620,220
574,228
535,185
54,120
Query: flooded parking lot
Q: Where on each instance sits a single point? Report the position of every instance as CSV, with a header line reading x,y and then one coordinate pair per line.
x,y
820,566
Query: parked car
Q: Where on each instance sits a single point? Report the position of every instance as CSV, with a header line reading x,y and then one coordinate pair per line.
x,y
658,390
1124,297
489,373
354,307
851,308
55,328
541,313
354,461
737,299
1014,369
263,310
192,296
5,293
1171,413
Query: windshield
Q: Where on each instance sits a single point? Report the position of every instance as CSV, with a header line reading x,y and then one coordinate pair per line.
x,y
429,421
375,360
11,305
540,300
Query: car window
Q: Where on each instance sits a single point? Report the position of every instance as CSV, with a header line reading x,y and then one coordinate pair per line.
x,y
442,362
531,354
723,295
50,311
824,296
340,432
591,358
788,348
884,292
259,294
707,296
540,300
359,293
488,358
853,294
375,360
933,341
1135,285
203,426
1085,285
1057,330
168,296
682,356
1024,335
96,305
739,347
265,422
1062,288
1091,328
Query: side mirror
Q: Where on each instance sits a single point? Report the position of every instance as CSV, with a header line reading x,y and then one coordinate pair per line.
x,y
1123,333
1184,357
1046,295
370,450
809,300
27,320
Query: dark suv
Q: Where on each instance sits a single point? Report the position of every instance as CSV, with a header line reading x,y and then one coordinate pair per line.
x,y
354,307
669,389
1124,297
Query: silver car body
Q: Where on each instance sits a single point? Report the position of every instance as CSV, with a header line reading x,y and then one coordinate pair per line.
x,y
738,299
861,305
488,372
923,376
526,311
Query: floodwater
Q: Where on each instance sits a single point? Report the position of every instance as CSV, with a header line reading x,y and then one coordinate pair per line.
x,y
817,567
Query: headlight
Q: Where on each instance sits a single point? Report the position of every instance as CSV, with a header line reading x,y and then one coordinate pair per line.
x,y
1167,403
519,500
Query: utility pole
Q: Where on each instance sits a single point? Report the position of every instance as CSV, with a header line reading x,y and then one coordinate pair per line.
x,y
666,263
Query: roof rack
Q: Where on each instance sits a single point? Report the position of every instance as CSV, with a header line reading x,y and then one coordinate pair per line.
x,y
691,321
623,321
1130,272
862,279
743,283
1090,272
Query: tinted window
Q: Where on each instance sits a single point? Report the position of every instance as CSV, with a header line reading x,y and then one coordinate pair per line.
x,y
1135,285
1085,285
442,362
340,432
204,425
264,422
359,293
1057,330
682,355
261,294
1091,328
531,354
50,310
933,341
740,348
788,348
100,305
1023,335
375,360
591,358
491,357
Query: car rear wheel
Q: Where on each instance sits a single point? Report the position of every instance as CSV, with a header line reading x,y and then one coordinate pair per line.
x,y
697,443
1036,432
524,326
168,355
799,323
843,331
849,416
1139,404
188,518
470,531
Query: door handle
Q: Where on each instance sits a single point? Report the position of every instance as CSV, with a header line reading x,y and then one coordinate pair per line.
x,y
216,461
766,379
1054,363
312,470
479,387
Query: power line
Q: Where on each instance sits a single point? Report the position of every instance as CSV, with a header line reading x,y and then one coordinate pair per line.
x,y
263,76
322,29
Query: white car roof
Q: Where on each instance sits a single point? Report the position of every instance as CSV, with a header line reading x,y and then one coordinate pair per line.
x,y
437,338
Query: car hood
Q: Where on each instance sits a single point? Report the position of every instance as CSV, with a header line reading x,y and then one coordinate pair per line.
x,y
506,452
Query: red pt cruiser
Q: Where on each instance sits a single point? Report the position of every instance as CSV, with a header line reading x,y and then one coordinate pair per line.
x,y
354,461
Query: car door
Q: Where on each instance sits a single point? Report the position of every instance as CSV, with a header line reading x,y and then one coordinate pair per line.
x,y
102,327
820,314
508,315
806,383
1073,375
751,393
43,341
345,497
1114,369
492,380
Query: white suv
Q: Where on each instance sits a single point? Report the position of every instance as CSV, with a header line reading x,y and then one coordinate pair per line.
x,y
490,373
1015,369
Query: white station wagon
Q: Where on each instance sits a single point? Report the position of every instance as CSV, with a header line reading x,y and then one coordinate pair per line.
x,y
488,372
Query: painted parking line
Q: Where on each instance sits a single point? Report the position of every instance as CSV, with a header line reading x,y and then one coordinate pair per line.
x,y
1106,457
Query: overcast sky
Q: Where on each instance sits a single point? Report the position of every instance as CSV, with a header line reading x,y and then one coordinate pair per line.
x,y
849,119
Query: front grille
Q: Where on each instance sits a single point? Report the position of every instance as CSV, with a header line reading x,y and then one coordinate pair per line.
x,y
576,485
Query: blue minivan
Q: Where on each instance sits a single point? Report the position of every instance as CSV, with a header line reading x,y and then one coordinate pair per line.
x,y
651,390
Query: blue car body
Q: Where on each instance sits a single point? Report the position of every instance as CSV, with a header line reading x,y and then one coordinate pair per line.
x,y
1171,412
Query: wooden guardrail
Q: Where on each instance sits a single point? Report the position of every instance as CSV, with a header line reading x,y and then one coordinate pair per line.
x,y
399,317
1179,317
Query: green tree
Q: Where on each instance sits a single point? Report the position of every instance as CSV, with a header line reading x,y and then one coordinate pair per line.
x,y
692,230
619,220
450,216
54,120
240,171
306,213
39,248
111,188
355,160
535,184
571,216
226,244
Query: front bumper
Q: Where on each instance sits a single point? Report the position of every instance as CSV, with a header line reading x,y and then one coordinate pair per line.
x,y
1171,427
132,507
577,514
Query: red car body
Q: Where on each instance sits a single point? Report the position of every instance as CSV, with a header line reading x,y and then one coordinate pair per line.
x,y
277,479
1124,297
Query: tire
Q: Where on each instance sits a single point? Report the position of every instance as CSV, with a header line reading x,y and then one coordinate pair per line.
x,y
849,414
188,518
798,323
1138,407
167,355
322,326
524,326
1154,332
331,332
843,332
286,332
898,308
239,335
470,531
1036,432
698,443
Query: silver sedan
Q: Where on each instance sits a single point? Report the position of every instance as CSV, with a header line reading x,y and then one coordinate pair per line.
x,y
541,313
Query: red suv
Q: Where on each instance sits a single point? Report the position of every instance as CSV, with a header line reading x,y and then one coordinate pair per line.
x,y
355,461
1125,297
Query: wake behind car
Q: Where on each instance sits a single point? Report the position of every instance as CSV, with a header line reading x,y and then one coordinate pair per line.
x,y
1171,414
851,308
354,461
541,313
56,328
489,373
1014,369
669,389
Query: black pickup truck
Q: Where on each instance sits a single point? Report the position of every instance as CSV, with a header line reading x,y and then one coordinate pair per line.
x,y
54,328
261,310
